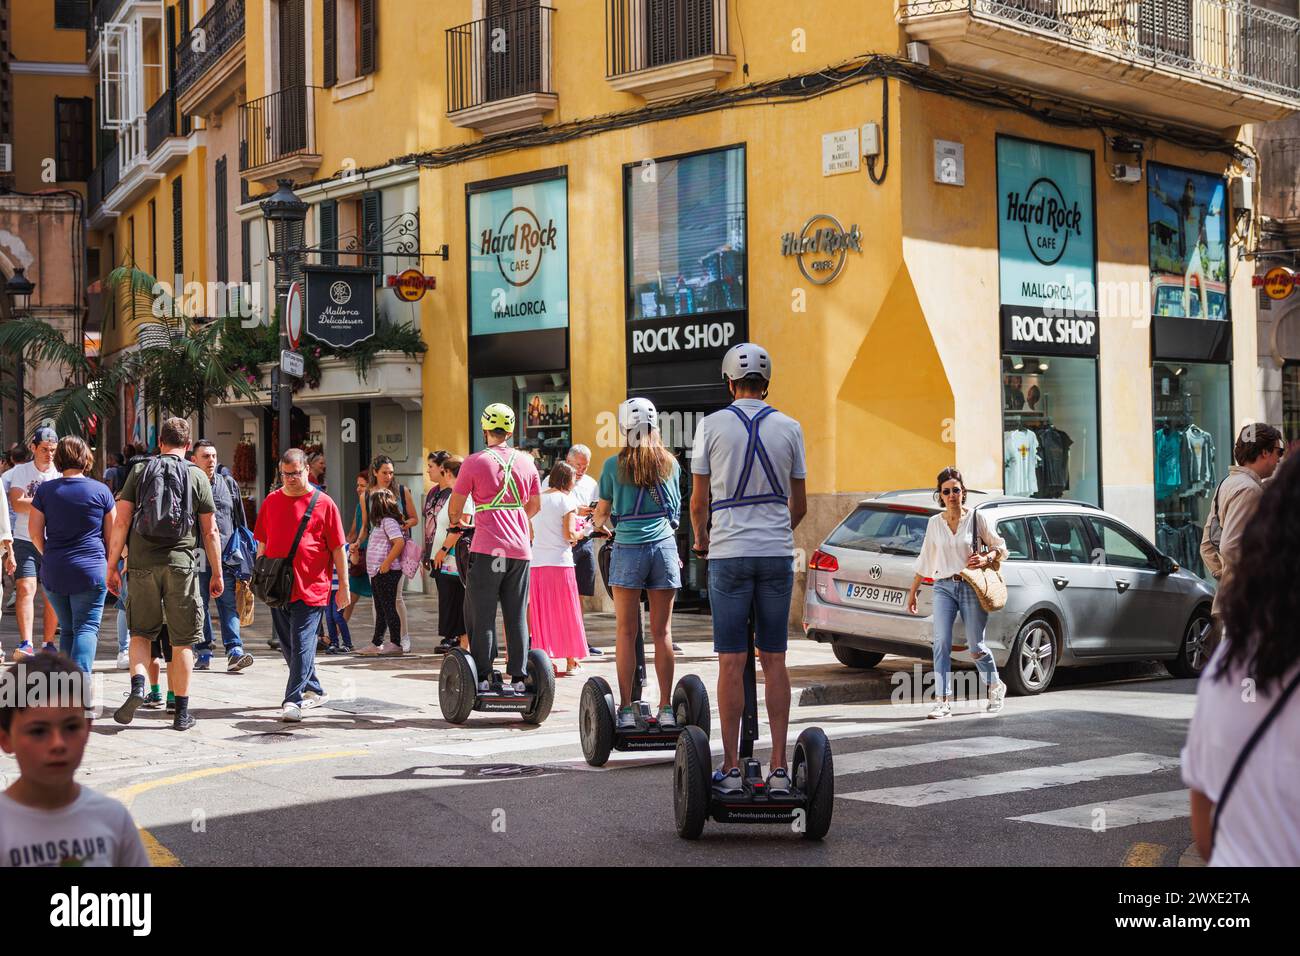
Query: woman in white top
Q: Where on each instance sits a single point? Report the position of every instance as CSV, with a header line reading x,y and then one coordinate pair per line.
x,y
554,609
1249,694
442,560
947,549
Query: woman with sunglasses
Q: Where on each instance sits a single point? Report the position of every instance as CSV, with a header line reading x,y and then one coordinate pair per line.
x,y
945,552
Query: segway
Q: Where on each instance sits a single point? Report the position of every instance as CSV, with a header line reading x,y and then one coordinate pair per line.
x,y
812,777
598,710
458,693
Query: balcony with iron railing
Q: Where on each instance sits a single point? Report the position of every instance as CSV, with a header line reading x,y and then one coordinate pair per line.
x,y
210,75
1208,63
160,121
666,49
499,71
102,179
277,135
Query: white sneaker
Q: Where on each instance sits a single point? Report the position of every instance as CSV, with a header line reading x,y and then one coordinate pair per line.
x,y
997,693
778,781
667,719
291,713
942,709
626,719
124,661
484,687
406,643
312,699
390,650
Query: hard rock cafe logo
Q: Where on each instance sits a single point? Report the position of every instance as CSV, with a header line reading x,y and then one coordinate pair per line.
x,y
824,242
1047,218
519,243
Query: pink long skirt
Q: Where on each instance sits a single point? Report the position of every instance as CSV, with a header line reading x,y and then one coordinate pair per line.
x,y
555,614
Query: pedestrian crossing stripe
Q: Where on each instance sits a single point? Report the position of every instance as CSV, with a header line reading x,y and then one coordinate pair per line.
x,y
889,758
1112,814
1017,781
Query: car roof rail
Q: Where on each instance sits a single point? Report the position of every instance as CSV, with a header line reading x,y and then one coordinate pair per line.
x,y
1009,502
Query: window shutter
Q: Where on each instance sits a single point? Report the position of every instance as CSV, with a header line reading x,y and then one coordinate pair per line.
x,y
222,232
372,229
369,59
331,42
328,230
245,254
72,119
699,29
178,230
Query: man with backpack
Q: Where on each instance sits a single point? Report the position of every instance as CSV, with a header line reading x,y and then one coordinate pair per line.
x,y
230,519
1257,453
165,510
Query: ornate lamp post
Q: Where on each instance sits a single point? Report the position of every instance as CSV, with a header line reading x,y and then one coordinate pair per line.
x,y
19,288
282,211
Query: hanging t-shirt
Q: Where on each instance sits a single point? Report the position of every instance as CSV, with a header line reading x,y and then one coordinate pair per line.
x,y
1200,460
550,548
1020,456
1168,447
1054,449
27,477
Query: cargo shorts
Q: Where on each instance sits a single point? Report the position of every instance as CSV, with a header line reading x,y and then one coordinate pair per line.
x,y
165,595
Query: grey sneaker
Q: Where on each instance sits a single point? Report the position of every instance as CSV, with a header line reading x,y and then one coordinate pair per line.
x,y
667,719
312,699
728,780
997,694
778,781
941,710
626,718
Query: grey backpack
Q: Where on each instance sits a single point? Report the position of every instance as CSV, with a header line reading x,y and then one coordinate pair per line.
x,y
164,501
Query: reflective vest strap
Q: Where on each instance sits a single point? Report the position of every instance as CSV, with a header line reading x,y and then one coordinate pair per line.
x,y
753,450
636,514
508,485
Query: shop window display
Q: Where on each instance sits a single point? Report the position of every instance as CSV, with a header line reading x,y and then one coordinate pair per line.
x,y
542,416
1193,451
1049,414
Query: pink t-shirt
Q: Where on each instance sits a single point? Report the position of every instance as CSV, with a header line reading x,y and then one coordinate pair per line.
x,y
380,543
503,532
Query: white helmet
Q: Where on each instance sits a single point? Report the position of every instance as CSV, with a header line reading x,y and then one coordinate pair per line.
x,y
746,359
637,415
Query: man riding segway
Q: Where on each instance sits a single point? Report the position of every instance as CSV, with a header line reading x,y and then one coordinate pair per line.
x,y
750,458
505,492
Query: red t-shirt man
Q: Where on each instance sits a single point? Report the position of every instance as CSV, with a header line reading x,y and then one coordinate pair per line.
x,y
313,564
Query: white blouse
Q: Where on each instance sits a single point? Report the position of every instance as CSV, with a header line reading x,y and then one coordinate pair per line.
x,y
944,552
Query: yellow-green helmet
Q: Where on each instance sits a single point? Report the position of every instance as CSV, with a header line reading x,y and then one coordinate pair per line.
x,y
498,415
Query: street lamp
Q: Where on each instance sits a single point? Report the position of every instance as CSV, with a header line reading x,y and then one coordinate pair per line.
x,y
281,212
19,288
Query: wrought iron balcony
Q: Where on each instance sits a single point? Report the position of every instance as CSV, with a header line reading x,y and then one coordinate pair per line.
x,y
499,70
277,133
221,28
1087,49
102,179
160,121
662,49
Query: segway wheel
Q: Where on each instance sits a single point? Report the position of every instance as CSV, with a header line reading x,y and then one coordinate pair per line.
x,y
457,686
691,793
595,721
813,773
691,703
541,680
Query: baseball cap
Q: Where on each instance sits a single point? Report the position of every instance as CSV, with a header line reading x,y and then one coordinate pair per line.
x,y
44,434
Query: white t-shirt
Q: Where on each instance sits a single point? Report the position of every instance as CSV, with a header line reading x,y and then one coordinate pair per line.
x,y
1261,820
27,477
93,830
550,548
759,530
586,492
1020,455
945,552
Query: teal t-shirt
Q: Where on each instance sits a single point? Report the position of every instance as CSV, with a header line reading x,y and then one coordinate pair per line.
x,y
623,499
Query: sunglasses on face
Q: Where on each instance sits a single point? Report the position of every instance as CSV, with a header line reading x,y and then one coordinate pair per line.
x,y
950,491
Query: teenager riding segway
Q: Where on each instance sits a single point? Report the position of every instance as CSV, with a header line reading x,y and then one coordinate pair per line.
x,y
748,498
639,496
505,492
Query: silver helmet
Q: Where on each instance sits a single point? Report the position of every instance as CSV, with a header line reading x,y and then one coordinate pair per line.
x,y
637,415
746,359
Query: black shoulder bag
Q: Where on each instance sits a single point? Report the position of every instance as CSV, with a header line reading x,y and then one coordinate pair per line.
x,y
1245,752
273,577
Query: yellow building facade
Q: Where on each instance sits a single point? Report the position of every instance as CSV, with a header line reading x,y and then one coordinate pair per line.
x,y
1030,220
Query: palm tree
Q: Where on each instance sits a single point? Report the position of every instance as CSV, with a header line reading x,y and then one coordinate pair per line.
x,y
178,360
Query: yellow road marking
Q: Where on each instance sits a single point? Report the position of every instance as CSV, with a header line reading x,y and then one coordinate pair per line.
x,y
159,855
1144,854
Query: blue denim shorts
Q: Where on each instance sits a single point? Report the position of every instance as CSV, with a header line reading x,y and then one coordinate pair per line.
x,y
654,566
736,585
28,560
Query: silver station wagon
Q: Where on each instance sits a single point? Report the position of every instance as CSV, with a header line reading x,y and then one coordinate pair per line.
x,y
1082,588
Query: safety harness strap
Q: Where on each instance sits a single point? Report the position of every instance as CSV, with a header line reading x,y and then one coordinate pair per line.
x,y
754,450
508,486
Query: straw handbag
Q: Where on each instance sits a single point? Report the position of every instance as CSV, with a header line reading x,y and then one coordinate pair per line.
x,y
988,583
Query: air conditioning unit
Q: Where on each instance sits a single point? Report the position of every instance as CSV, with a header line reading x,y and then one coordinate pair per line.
x,y
6,158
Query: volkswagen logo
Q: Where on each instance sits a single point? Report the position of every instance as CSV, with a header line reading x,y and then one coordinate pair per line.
x,y
341,293
875,572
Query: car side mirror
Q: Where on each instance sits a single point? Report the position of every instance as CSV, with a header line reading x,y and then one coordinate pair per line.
x,y
1166,565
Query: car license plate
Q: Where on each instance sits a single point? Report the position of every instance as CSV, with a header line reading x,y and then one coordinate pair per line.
x,y
874,594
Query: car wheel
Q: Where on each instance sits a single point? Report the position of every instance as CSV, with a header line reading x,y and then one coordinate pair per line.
x,y
853,657
1032,662
1195,651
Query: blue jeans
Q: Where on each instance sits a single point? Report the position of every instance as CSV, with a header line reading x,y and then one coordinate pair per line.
x,y
950,599
295,629
337,623
654,566
79,616
736,585
227,616
123,633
